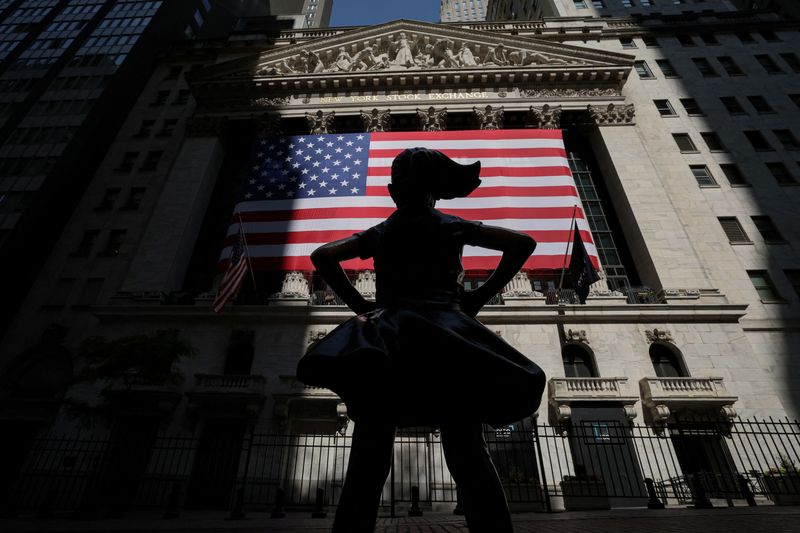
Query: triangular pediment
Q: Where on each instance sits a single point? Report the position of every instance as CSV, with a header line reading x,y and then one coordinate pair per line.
x,y
405,46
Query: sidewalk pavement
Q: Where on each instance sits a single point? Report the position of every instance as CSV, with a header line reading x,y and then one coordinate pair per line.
x,y
720,520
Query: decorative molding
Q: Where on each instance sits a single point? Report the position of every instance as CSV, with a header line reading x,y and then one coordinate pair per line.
x,y
316,335
295,285
488,118
613,115
658,335
577,336
320,122
365,283
560,92
432,119
206,126
376,120
520,285
546,117
277,101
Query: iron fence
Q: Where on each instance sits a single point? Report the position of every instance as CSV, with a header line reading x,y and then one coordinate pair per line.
x,y
582,465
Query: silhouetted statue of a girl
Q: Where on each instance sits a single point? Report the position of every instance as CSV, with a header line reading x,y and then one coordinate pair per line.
x,y
417,356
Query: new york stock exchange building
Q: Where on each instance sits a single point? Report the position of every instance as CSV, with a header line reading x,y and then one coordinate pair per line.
x,y
674,383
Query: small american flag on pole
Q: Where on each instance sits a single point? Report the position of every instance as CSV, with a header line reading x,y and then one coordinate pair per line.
x,y
234,274
306,190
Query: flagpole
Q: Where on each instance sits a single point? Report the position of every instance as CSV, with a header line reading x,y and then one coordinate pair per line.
x,y
566,251
247,253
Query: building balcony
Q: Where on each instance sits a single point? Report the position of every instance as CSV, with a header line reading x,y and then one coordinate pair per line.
x,y
136,392
562,392
693,396
228,393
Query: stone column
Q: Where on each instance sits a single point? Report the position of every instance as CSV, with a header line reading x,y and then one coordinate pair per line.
x,y
169,239
654,232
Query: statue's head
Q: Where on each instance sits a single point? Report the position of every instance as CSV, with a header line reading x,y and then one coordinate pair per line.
x,y
421,176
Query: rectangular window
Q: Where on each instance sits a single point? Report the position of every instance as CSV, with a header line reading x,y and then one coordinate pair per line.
x,y
628,3
666,68
730,66
91,291
134,198
745,37
713,141
643,70
732,105
733,230
764,286
709,38
795,98
168,128
160,99
781,173
787,139
757,140
648,3
128,160
704,66
114,243
734,175
684,142
579,4
183,97
86,245
768,230
760,104
151,161
174,72
627,42
664,108
793,61
769,65
793,275
109,197
769,36
650,42
691,107
703,176
145,129
685,39
599,4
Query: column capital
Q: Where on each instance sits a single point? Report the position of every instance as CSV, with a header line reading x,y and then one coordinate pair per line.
x,y
546,117
320,122
488,118
613,114
432,119
376,120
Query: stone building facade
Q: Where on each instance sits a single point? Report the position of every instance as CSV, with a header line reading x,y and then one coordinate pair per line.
x,y
682,134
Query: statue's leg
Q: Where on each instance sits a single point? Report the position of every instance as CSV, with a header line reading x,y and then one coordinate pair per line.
x,y
370,461
468,459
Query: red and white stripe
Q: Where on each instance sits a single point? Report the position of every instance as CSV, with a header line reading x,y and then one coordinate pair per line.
x,y
526,185
230,284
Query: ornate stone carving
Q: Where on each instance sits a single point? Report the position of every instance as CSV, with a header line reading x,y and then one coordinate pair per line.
x,y
559,92
376,120
206,126
520,285
295,285
316,335
432,119
577,336
270,102
401,50
320,122
546,117
613,115
488,118
365,283
658,335
342,420
660,413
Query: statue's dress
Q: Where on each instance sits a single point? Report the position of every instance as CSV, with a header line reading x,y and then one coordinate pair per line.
x,y
418,359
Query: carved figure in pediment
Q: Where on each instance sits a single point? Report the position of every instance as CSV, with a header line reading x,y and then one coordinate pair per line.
x,y
466,57
432,120
376,120
364,60
320,122
309,62
443,55
496,56
524,57
402,52
343,61
489,118
424,57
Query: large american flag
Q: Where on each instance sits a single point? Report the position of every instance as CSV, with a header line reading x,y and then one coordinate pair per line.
x,y
303,191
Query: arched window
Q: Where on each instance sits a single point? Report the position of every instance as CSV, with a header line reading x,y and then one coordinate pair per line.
x,y
667,361
578,361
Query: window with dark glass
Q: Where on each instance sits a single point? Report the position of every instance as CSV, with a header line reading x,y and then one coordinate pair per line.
x,y
713,141
733,230
643,70
730,66
760,104
685,39
146,128
666,363
174,72
732,105
666,68
793,61
109,197
781,173
168,127
704,66
769,36
650,42
135,197
599,4
128,160
114,242
757,140
691,106
768,64
795,98
627,42
793,275
702,175
709,38
767,228
239,359
161,98
183,97
86,244
733,174
763,285
745,37
664,108
787,139
684,142
152,159
578,361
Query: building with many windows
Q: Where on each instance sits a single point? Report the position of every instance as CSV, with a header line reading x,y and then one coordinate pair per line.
x,y
462,10
680,130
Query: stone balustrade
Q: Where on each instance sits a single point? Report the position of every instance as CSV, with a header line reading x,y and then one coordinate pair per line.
x,y
563,392
228,393
688,395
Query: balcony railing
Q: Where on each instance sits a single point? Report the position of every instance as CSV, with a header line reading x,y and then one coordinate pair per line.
x,y
563,392
663,396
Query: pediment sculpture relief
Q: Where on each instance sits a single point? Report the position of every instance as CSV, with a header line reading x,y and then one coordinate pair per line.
x,y
401,51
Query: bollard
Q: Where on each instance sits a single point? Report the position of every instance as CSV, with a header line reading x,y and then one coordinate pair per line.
x,y
459,510
318,506
237,511
172,502
701,500
415,510
653,502
744,487
49,503
277,511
